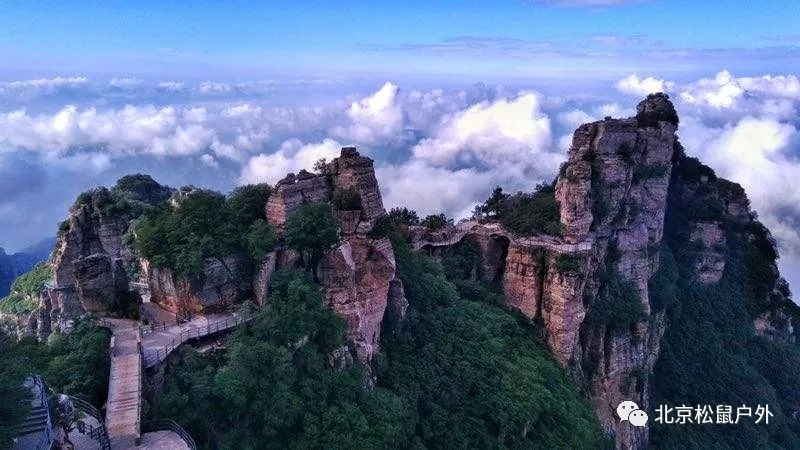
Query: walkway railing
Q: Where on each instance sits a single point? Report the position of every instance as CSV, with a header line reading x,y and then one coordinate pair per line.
x,y
162,425
461,230
163,325
46,440
152,358
51,284
97,433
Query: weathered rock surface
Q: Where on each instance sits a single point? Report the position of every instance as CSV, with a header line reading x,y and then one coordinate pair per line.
x,y
88,262
613,196
711,263
358,277
263,277
220,285
349,171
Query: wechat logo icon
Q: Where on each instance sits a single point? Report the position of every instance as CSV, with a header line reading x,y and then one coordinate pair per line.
x,y
630,411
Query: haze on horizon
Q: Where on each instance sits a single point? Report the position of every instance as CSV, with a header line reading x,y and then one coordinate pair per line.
x,y
450,99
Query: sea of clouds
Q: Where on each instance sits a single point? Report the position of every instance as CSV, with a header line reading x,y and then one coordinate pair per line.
x,y
436,149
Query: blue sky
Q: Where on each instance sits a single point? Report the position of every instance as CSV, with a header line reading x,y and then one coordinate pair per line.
x,y
230,39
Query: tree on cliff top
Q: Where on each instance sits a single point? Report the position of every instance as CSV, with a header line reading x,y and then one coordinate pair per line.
x,y
312,232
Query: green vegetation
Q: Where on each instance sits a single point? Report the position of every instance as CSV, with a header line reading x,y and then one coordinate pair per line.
x,y
617,305
75,363
24,289
18,304
260,240
395,223
205,224
32,282
312,232
709,354
346,199
569,262
476,373
141,188
664,112
15,406
246,203
644,172
131,196
455,374
625,151
276,386
436,221
525,213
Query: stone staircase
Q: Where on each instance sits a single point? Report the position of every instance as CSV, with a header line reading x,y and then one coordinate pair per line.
x,y
36,422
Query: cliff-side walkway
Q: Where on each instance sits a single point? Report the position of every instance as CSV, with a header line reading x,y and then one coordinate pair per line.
x,y
159,341
133,348
123,410
473,227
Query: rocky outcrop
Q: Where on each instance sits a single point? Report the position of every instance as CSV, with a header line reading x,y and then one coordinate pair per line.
x,y
711,263
89,259
613,194
291,192
263,277
358,277
523,279
349,171
220,285
775,326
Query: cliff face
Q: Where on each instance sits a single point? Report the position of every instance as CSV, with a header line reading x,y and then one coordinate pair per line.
x,y
89,259
625,166
221,284
613,195
589,289
358,276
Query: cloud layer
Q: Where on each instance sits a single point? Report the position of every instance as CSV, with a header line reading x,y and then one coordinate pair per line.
x,y
437,149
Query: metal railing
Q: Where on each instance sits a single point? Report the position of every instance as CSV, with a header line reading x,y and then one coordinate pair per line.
x,y
163,325
161,425
140,356
461,230
46,440
97,433
152,358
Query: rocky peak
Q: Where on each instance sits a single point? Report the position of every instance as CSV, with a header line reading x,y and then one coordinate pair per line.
x,y
349,171
359,276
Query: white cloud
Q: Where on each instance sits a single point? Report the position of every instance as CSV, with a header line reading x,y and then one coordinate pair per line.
x,y
167,131
173,86
640,87
157,131
759,153
125,82
208,87
432,190
374,118
493,134
47,83
292,156
81,162
209,161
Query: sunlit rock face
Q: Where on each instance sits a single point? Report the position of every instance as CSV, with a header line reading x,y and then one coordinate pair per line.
x,y
359,276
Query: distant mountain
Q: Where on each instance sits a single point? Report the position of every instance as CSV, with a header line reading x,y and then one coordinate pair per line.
x,y
14,265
